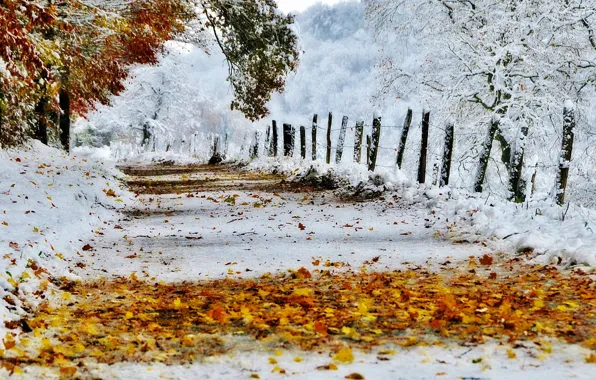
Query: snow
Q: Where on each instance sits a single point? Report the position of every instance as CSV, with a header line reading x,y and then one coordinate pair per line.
x,y
453,362
48,207
176,238
554,234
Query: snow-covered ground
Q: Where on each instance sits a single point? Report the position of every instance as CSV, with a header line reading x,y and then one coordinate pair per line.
x,y
243,234
564,236
50,204
226,233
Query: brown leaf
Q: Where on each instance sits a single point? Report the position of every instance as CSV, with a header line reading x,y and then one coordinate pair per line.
x,y
486,260
355,376
87,247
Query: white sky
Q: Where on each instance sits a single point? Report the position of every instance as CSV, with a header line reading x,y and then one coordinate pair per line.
x,y
300,5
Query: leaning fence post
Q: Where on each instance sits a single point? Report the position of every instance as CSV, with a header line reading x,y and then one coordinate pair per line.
x,y
302,142
447,155
376,137
359,134
339,152
404,138
329,124
315,126
423,147
273,149
368,150
288,141
566,152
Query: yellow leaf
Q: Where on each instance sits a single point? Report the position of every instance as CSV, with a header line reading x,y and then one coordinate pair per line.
x,y
591,359
305,292
272,361
349,332
17,370
35,229
344,355
511,354
66,296
129,315
188,341
387,352
177,303
298,359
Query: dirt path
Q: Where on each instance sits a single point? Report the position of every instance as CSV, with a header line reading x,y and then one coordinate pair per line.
x,y
215,265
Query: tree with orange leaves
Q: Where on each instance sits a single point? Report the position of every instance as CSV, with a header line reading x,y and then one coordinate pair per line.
x,y
79,52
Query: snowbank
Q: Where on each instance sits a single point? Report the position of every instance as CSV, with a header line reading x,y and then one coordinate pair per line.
x,y
50,204
563,236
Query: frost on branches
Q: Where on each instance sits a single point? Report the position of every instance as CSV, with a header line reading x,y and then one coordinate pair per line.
x,y
511,65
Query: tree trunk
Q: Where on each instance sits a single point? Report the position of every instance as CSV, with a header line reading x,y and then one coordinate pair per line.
x,y
423,148
447,155
329,124
64,98
342,140
485,156
302,142
404,137
41,123
566,153
359,134
315,126
376,137
517,185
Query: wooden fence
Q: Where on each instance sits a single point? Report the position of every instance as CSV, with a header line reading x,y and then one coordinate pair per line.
x,y
372,147
442,171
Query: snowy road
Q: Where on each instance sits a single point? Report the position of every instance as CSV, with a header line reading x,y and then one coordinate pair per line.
x,y
174,237
217,232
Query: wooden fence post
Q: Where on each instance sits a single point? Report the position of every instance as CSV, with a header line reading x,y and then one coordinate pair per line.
x,y
447,155
329,124
288,140
368,150
376,137
339,152
302,142
404,138
315,126
274,141
267,140
566,153
359,134
485,156
423,147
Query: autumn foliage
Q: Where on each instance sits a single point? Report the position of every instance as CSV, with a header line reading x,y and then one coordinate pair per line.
x,y
59,59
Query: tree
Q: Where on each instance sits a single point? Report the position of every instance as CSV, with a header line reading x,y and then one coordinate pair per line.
x,y
509,63
78,53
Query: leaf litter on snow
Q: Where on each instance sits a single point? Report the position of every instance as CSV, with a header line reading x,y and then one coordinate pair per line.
x,y
331,310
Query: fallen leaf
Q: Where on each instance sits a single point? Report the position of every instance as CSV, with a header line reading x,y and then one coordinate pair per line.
x,y
486,260
344,355
355,376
